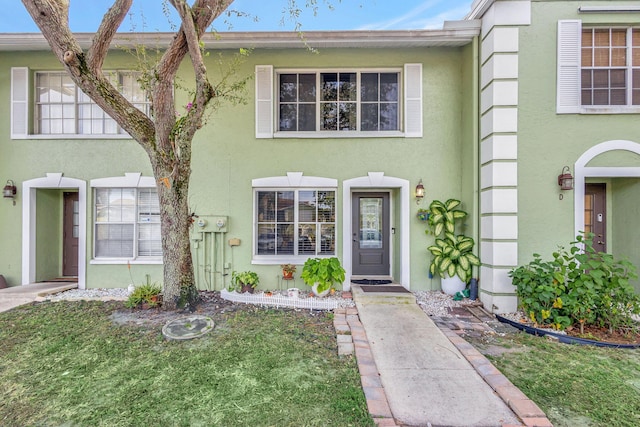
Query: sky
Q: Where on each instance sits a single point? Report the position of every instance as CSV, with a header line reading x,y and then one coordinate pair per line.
x,y
259,15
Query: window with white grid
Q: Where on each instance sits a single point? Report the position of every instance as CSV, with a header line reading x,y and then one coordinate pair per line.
x,y
610,67
339,101
62,108
127,223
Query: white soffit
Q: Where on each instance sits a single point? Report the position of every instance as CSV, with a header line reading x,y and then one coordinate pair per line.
x,y
455,33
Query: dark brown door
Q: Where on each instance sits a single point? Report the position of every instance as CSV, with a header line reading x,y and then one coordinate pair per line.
x,y
595,214
70,235
370,225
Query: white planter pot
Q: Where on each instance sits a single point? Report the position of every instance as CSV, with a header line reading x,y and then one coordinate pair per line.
x,y
314,288
452,285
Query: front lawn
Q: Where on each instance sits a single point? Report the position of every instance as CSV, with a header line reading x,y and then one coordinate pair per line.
x,y
70,363
574,385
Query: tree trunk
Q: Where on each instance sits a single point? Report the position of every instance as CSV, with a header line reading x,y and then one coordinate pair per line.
x,y
179,289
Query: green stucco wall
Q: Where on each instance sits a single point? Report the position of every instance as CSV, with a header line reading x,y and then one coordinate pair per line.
x,y
227,156
548,141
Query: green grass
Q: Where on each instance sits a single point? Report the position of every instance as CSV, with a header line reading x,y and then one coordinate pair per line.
x,y
67,363
574,385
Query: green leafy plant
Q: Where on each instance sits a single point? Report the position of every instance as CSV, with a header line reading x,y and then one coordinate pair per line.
x,y
443,216
452,254
148,293
246,278
577,288
323,271
288,268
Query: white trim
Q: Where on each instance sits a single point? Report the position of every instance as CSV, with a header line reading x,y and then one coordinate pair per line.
x,y
294,180
582,171
377,180
413,100
51,181
19,102
130,179
609,9
264,115
568,99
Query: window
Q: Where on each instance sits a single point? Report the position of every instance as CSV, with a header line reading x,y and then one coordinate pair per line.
x,y
598,69
610,66
339,101
61,108
127,223
295,222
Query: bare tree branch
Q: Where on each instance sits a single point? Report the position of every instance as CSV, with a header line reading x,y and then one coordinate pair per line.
x,y
108,28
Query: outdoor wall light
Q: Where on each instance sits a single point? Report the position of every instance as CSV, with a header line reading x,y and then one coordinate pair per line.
x,y
419,192
9,191
565,179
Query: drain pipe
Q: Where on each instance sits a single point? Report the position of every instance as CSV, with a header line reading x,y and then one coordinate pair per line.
x,y
476,151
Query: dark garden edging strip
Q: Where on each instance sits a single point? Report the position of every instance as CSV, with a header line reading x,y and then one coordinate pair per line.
x,y
566,339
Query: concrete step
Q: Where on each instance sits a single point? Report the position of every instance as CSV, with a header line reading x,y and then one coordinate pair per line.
x,y
400,297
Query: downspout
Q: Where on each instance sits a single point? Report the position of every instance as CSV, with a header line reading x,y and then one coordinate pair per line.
x,y
475,90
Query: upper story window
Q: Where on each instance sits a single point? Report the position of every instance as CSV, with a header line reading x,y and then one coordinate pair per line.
x,y
610,66
339,101
335,103
61,108
598,69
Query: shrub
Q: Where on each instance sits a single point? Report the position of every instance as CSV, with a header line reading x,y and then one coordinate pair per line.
x,y
149,293
578,287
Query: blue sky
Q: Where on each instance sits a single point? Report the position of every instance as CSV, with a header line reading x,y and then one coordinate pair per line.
x,y
147,15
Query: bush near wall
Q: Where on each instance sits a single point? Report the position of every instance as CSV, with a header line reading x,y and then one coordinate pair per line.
x,y
579,287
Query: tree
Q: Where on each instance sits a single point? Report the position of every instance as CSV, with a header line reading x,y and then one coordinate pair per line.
x,y
165,138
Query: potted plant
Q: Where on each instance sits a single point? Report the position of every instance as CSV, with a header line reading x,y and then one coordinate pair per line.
x,y
423,214
287,271
322,273
245,281
453,259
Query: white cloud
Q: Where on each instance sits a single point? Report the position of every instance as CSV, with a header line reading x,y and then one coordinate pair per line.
x,y
421,17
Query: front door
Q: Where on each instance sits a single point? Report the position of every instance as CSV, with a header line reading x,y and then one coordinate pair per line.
x,y
595,214
370,234
70,235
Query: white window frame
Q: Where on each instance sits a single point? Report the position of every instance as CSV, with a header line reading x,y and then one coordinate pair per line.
x,y
569,75
134,181
293,181
409,103
319,102
24,118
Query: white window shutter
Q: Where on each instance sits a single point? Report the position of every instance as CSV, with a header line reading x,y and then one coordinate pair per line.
x,y
413,100
264,101
19,102
569,54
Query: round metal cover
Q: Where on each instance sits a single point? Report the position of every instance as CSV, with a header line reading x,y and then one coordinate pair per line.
x,y
186,328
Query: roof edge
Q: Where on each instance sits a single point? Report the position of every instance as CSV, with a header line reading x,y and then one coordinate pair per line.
x,y
454,33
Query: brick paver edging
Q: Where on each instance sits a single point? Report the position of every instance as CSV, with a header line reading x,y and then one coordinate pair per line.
x,y
526,409
352,338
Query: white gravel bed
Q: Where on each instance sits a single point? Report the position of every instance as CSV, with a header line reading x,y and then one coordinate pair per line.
x,y
91,294
436,303
433,303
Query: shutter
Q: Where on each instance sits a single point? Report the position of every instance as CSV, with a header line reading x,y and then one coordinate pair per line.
x,y
19,102
264,101
569,44
413,100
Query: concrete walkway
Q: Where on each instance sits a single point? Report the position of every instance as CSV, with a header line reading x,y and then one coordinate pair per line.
x,y
17,295
426,379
